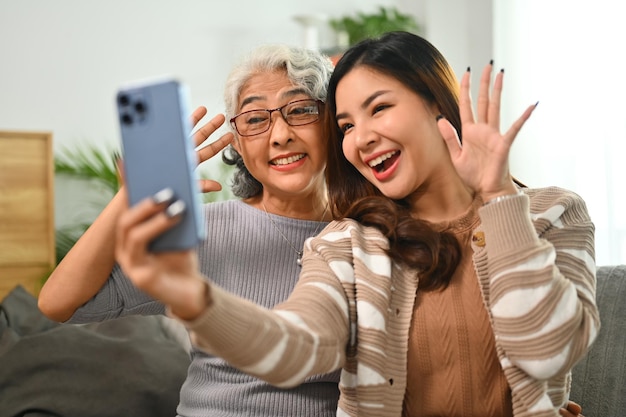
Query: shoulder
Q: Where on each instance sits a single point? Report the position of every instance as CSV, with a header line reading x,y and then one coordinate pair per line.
x,y
557,201
227,209
221,206
552,195
350,249
349,232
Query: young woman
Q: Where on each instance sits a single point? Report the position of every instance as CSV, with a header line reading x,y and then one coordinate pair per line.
x,y
442,288
253,243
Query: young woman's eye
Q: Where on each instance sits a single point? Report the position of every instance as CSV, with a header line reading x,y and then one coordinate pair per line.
x,y
345,127
379,107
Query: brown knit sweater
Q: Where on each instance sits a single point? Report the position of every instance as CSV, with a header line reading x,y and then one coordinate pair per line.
x,y
452,360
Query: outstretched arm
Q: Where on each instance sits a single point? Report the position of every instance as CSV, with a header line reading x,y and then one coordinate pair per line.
x,y
306,335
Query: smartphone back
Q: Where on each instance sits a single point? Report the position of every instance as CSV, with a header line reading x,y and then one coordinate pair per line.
x,y
158,153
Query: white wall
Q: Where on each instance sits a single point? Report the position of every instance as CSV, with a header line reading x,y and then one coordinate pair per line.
x,y
61,61
460,29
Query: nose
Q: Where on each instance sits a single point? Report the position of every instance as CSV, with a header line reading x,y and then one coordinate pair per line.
x,y
280,133
364,136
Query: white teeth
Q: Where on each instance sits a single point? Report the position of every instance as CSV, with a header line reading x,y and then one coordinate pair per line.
x,y
377,161
288,160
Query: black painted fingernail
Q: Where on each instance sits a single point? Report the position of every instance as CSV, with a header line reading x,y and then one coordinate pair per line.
x,y
175,209
491,62
468,69
163,196
501,69
439,117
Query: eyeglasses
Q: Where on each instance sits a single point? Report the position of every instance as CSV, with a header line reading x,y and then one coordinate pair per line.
x,y
295,113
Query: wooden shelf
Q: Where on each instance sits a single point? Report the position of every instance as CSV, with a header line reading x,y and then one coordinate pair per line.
x,y
27,248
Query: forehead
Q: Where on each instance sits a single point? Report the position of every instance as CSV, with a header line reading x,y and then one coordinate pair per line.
x,y
267,87
361,83
364,77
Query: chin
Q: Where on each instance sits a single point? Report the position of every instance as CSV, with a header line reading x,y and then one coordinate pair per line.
x,y
394,195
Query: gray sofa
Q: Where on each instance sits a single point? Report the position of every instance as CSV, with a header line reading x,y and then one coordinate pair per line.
x,y
599,380
131,366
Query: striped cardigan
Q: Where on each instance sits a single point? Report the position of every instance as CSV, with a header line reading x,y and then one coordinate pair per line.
x,y
352,308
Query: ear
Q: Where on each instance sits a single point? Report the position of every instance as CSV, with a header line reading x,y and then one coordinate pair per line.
x,y
235,143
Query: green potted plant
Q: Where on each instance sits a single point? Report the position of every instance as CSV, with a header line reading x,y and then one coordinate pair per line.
x,y
352,29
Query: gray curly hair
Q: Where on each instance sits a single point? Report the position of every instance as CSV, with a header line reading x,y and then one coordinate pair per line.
x,y
309,70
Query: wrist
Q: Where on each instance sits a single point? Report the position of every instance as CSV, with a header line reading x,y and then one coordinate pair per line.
x,y
199,300
500,197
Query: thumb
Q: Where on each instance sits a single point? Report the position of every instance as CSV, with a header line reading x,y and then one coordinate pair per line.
x,y
450,136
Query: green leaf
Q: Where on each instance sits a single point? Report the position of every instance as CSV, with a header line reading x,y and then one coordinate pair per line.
x,y
363,26
89,163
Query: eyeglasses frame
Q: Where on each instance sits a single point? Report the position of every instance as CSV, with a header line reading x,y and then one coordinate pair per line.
x,y
279,110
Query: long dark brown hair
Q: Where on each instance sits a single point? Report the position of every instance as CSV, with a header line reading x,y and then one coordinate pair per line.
x,y
418,65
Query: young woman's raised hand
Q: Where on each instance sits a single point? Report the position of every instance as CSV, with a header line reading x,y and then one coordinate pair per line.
x,y
482,160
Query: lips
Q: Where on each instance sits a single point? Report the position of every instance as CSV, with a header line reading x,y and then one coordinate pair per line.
x,y
287,160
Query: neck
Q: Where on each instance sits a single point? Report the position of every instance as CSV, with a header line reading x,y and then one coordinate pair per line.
x,y
441,202
311,208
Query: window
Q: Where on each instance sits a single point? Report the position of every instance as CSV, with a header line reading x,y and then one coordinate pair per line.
x,y
567,55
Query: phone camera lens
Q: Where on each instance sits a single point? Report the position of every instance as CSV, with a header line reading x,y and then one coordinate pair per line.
x,y
140,107
124,100
127,119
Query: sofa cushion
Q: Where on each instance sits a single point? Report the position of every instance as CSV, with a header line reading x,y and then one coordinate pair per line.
x,y
124,367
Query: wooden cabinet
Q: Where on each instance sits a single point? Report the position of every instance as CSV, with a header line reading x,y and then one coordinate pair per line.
x,y
27,253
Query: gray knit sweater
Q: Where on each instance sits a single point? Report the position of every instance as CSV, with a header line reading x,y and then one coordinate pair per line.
x,y
245,254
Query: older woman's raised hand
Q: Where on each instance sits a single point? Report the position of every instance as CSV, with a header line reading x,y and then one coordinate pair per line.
x,y
482,160
208,151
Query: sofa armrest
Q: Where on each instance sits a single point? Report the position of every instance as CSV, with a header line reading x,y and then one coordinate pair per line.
x,y
599,379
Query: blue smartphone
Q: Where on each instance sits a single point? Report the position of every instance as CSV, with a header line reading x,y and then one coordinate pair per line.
x,y
158,152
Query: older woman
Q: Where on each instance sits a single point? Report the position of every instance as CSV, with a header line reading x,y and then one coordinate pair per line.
x,y
274,101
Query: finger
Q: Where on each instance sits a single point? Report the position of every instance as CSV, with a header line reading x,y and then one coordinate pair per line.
x,y
207,186
208,129
563,412
197,115
510,135
119,170
140,234
482,105
209,151
574,408
465,99
146,208
145,222
142,210
493,115
450,136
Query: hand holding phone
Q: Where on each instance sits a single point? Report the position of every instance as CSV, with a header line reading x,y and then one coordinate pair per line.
x,y
158,153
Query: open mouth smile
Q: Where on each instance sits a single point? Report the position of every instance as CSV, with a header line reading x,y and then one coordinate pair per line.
x,y
384,161
288,160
